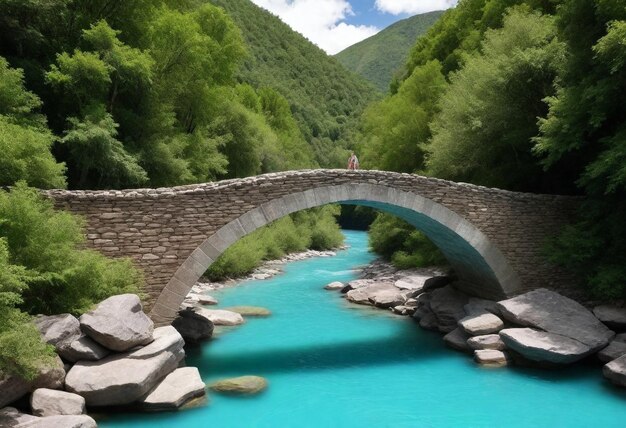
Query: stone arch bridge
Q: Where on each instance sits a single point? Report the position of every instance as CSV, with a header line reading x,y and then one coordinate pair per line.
x,y
492,238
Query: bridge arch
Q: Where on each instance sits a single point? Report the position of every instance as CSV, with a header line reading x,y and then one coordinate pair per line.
x,y
481,267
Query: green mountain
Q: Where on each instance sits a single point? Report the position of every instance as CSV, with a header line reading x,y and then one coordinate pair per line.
x,y
378,57
324,97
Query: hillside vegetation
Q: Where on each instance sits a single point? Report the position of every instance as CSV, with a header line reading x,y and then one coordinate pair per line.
x,y
379,57
120,94
524,95
324,97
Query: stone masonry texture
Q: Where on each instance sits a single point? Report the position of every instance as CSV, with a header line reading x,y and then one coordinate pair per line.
x,y
160,228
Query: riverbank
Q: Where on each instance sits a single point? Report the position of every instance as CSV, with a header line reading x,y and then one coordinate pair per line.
x,y
330,362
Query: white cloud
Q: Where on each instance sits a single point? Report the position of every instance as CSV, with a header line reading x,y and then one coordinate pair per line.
x,y
320,21
412,7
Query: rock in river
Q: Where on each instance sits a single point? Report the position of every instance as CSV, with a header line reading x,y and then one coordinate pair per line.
x,y
612,316
615,371
544,346
250,311
487,341
192,326
220,316
482,323
118,323
551,312
457,339
178,387
124,378
616,349
335,285
240,385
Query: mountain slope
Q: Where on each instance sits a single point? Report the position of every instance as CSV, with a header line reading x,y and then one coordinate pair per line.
x,y
324,97
378,57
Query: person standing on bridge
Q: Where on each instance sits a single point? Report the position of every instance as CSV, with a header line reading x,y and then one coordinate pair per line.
x,y
353,162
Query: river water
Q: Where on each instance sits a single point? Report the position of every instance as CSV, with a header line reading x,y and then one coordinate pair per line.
x,y
334,364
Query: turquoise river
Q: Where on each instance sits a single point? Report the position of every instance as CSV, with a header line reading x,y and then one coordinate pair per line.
x,y
333,364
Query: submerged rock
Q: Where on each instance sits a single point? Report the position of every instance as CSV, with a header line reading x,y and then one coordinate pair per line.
x,y
553,313
49,402
174,390
118,323
250,311
544,346
241,385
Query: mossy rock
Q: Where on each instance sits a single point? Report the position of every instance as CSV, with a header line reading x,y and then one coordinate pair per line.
x,y
250,311
243,385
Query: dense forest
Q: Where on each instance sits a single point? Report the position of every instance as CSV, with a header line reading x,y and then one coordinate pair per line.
x,y
524,95
324,97
380,56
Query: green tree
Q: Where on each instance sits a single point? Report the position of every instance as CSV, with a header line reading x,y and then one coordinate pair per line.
x,y
488,114
396,130
61,276
25,140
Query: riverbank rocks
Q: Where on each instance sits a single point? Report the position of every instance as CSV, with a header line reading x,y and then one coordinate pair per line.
x,y
491,358
335,285
543,346
457,339
612,316
615,371
244,385
61,421
192,326
356,284
365,294
487,341
220,316
50,402
13,388
58,329
82,348
549,311
616,349
250,311
422,282
481,323
11,417
124,378
174,390
447,304
118,323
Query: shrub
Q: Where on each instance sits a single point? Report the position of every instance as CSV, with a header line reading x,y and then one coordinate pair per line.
x,y
398,241
315,228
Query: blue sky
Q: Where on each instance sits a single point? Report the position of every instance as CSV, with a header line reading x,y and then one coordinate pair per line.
x,y
334,25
